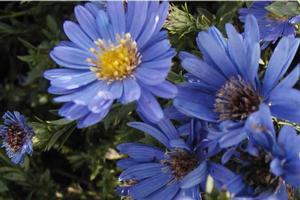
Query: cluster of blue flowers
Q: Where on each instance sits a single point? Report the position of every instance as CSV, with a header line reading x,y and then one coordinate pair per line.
x,y
222,124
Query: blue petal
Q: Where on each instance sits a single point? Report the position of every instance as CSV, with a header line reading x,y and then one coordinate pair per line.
x,y
194,177
153,72
287,106
291,79
92,118
164,90
138,19
141,152
237,49
116,89
150,185
203,71
76,35
166,193
279,62
216,54
87,22
151,131
141,171
126,162
104,28
73,81
148,30
116,14
73,111
150,108
69,57
251,30
155,50
131,91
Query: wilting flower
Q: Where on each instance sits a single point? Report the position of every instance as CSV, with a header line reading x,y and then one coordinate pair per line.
x,y
270,167
175,172
16,136
225,87
117,53
271,25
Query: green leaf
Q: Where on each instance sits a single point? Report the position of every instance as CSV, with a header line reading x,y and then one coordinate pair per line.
x,y
284,9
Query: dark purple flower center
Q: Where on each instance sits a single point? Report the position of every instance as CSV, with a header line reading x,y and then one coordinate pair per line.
x,y
15,137
181,163
256,171
236,100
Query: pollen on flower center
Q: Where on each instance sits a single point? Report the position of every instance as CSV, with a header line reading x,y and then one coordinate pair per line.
x,y
236,100
15,138
181,163
115,61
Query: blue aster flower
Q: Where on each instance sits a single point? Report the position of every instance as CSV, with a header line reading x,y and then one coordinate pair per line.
x,y
115,53
270,168
271,26
16,136
177,171
225,87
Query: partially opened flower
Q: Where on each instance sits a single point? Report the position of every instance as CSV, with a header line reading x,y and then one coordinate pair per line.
x,y
173,172
117,53
225,87
16,136
269,170
271,25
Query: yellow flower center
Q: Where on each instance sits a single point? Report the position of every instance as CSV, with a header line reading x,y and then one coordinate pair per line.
x,y
115,61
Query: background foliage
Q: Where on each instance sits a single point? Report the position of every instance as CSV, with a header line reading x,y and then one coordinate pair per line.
x,y
68,163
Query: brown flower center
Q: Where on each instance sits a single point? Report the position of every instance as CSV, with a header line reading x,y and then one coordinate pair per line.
x,y
236,100
181,163
15,137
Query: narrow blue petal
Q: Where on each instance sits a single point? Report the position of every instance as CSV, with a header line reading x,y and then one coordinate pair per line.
x,y
141,171
287,106
150,185
138,18
116,15
92,118
141,152
72,56
155,50
131,91
166,193
150,108
76,35
74,81
87,22
148,30
164,90
104,27
279,62
151,131
194,177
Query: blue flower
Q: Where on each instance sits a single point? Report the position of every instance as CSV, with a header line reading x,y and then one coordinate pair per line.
x,y
271,170
225,87
174,172
271,26
16,136
115,53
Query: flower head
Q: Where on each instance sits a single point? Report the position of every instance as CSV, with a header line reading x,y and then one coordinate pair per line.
x,y
271,26
225,87
115,53
174,172
16,136
268,170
